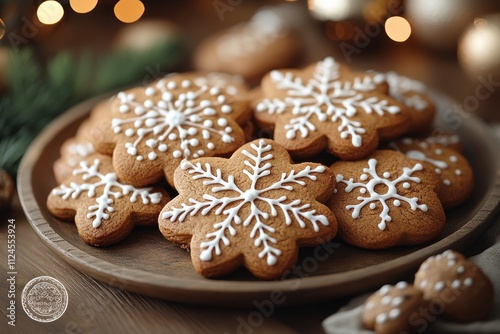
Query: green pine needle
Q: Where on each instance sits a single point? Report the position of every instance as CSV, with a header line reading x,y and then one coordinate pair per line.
x,y
36,95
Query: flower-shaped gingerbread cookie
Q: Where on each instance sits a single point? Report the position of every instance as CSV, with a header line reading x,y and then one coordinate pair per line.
x,y
413,95
463,291
104,209
254,210
151,129
393,309
386,200
326,106
455,173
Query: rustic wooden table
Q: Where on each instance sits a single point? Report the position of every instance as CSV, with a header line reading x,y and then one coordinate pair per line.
x,y
96,307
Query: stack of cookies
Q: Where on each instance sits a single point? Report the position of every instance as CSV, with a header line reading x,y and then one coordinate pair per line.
x,y
186,153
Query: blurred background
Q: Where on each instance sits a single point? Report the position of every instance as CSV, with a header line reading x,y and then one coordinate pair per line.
x,y
54,54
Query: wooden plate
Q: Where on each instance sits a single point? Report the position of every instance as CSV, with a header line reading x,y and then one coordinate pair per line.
x,y
148,264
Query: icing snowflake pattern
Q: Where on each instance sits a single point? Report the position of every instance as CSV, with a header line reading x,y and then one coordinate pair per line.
x,y
370,179
174,119
328,99
111,189
258,167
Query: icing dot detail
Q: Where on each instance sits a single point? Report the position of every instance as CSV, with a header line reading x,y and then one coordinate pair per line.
x,y
456,284
460,269
446,182
453,158
401,285
468,282
439,286
381,318
394,313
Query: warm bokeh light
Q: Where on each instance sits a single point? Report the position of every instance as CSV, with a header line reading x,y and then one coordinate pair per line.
x,y
337,10
397,28
2,28
129,11
50,12
82,6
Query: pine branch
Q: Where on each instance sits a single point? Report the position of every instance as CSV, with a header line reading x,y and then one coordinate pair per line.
x,y
36,95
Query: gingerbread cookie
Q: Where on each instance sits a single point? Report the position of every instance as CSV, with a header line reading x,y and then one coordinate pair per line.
x,y
73,151
386,200
104,208
393,309
459,286
325,106
254,210
151,129
413,95
453,169
251,48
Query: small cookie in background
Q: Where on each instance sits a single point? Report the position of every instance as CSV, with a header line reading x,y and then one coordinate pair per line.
x,y
252,48
386,200
104,209
393,309
453,169
413,95
254,209
465,292
327,107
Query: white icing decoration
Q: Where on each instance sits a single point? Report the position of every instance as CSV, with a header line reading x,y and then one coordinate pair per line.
x,y
259,165
419,155
78,152
324,98
423,283
370,305
400,88
386,300
456,284
445,140
174,120
461,270
385,289
111,188
401,285
394,313
374,197
468,281
439,286
249,38
381,318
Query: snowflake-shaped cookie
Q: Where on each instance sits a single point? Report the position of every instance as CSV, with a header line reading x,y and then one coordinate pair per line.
x,y
253,209
105,209
451,167
325,106
180,117
386,200
413,94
